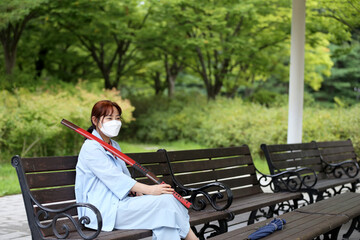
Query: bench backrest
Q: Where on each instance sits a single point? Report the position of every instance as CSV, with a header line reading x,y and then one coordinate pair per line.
x,y
50,180
337,151
282,157
231,166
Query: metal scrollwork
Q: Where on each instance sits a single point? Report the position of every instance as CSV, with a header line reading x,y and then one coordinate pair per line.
x,y
213,229
291,180
349,168
199,197
44,213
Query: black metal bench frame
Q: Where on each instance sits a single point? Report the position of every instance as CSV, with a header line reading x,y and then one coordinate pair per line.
x,y
47,185
333,165
233,167
321,218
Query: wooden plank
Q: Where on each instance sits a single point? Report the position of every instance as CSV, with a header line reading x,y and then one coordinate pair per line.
x,y
323,184
54,195
289,147
72,212
330,144
189,166
294,155
207,153
157,169
215,175
307,222
246,191
40,164
52,179
113,235
260,200
148,157
336,150
201,217
311,162
339,157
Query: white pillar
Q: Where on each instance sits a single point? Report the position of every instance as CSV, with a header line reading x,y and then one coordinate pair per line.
x,y
296,84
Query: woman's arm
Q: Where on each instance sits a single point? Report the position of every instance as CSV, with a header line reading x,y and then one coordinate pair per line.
x,y
152,189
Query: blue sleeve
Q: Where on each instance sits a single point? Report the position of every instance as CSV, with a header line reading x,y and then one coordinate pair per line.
x,y
105,169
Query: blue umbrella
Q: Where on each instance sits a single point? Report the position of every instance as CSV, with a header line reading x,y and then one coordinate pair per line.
x,y
276,224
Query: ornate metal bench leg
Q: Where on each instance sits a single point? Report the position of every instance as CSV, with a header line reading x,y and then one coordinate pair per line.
x,y
252,217
320,196
222,228
262,213
355,224
334,234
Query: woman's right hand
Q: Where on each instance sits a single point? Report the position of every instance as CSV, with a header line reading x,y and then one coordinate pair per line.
x,y
152,189
160,189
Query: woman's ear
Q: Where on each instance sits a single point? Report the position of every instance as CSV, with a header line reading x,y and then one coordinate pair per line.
x,y
94,121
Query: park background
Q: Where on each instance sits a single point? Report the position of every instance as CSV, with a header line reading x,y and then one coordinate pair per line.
x,y
188,74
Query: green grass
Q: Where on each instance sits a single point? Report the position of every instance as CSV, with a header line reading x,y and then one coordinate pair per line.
x,y
9,183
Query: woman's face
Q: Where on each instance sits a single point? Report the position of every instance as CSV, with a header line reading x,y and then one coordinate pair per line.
x,y
115,115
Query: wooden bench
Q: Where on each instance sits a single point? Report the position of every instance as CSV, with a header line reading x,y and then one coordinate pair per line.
x,y
47,185
321,218
333,163
234,167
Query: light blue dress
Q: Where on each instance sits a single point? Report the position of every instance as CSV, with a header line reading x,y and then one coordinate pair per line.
x,y
105,182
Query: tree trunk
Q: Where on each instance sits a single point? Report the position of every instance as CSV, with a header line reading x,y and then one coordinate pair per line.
x,y
10,59
9,38
40,62
157,83
171,85
171,74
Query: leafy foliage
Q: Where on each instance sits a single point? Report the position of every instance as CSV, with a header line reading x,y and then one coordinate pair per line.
x,y
31,126
230,122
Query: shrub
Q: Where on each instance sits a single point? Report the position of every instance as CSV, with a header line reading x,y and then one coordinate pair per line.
x,y
30,124
230,122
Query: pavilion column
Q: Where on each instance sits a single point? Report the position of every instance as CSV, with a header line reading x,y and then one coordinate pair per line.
x,y
296,83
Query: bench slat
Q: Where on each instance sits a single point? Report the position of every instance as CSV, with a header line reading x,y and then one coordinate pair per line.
x,y
48,163
159,169
336,150
206,153
54,195
189,166
148,157
330,144
52,179
296,154
289,147
214,175
339,158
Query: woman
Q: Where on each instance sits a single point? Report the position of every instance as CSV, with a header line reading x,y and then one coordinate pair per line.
x,y
104,181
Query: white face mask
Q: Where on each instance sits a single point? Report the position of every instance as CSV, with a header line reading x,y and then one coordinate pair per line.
x,y
111,128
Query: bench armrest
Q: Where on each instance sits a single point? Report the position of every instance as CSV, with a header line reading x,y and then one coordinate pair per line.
x,y
350,168
290,180
198,195
44,213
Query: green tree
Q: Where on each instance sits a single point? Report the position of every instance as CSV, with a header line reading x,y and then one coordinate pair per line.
x,y
15,14
229,41
107,30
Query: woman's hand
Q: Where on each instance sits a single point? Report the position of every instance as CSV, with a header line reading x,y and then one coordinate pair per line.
x,y
157,189
160,189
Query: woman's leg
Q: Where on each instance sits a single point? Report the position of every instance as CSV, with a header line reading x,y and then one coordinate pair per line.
x,y
153,212
165,233
191,235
